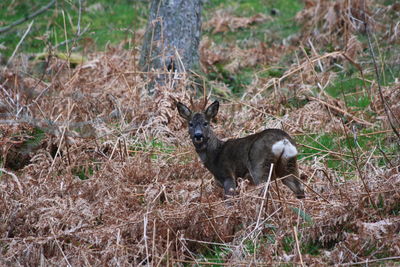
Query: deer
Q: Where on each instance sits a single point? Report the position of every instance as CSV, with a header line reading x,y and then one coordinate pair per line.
x,y
250,157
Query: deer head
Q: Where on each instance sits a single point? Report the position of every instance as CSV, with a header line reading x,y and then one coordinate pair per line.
x,y
199,123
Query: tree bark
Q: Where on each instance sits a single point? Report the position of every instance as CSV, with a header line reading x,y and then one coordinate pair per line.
x,y
172,37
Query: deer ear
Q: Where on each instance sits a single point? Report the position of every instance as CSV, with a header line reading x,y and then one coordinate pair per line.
x,y
184,111
212,110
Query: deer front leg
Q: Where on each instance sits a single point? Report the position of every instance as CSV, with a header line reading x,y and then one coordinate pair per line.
x,y
229,187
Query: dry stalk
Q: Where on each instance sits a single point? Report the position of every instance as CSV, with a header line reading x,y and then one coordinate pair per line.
x,y
15,178
264,195
358,167
358,66
20,42
153,247
297,245
145,223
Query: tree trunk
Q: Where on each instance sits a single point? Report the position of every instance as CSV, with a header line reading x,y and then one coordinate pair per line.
x,y
172,37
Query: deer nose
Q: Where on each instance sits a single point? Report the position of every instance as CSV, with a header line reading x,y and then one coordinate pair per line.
x,y
198,135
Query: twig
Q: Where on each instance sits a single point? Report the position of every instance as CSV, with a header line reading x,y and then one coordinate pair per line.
x,y
312,68
26,18
264,194
67,146
65,30
145,220
374,133
20,42
153,246
165,252
207,242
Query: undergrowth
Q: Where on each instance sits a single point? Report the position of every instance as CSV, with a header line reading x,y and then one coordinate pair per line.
x,y
94,171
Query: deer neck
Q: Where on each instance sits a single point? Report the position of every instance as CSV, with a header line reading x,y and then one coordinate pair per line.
x,y
212,149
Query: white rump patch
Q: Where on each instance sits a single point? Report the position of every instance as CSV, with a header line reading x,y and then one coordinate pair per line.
x,y
284,148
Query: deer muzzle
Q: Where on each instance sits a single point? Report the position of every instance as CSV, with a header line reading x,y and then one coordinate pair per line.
x,y
198,137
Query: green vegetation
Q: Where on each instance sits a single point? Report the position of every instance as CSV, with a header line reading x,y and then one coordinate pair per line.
x,y
336,149
302,214
36,138
215,254
104,22
311,248
154,147
351,90
83,172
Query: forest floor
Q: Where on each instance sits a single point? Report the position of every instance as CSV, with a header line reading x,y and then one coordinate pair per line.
x,y
95,172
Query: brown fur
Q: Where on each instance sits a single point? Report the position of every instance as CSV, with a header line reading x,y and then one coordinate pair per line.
x,y
248,157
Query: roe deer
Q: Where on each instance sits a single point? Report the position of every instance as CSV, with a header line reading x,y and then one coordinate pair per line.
x,y
248,157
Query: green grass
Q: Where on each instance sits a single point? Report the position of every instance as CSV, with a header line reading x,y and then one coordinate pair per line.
x,y
154,147
107,22
36,137
214,254
311,248
367,142
351,90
